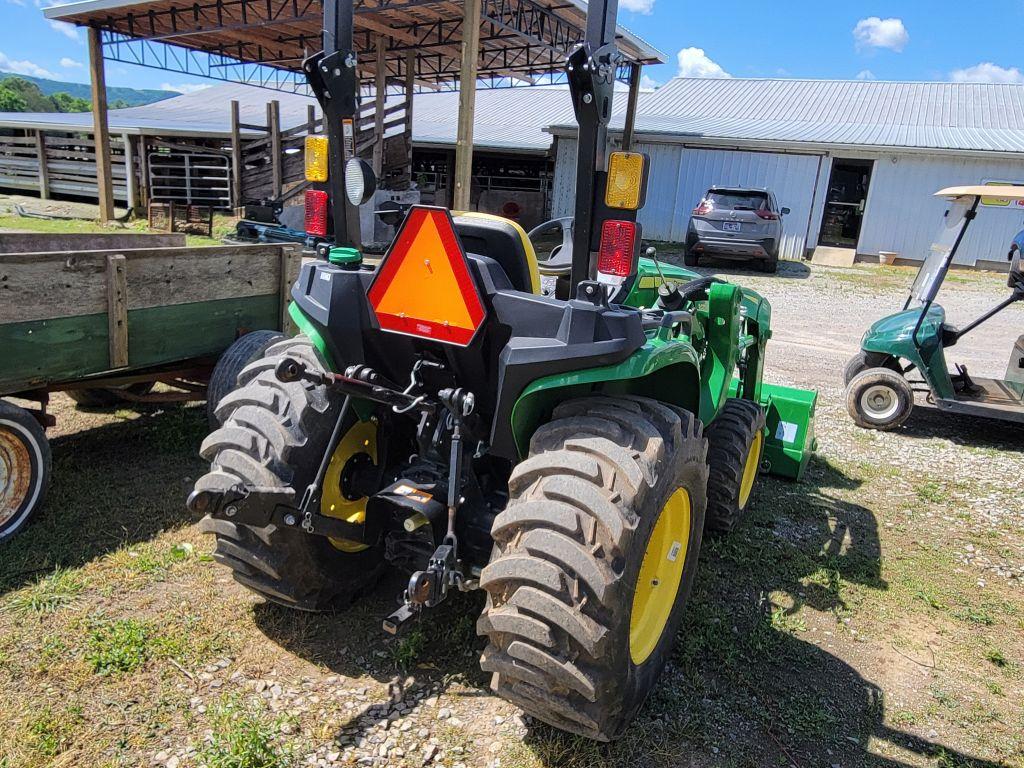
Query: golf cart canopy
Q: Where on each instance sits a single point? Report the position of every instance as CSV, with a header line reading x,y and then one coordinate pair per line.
x,y
1002,191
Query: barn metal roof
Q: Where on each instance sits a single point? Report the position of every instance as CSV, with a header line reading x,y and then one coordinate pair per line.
x,y
513,119
978,117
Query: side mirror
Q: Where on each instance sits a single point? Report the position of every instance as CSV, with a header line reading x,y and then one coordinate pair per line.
x,y
785,211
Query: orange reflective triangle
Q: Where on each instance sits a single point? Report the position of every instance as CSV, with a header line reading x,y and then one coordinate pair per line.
x,y
423,287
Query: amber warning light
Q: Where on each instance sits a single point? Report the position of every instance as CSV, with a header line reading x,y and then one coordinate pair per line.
x,y
423,287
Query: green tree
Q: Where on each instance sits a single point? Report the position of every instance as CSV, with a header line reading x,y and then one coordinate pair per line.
x,y
10,101
64,102
35,101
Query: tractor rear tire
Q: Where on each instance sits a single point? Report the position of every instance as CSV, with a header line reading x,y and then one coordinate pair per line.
x,y
243,351
274,435
879,399
735,447
608,507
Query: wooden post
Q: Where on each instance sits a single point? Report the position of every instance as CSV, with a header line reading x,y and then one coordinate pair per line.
x,y
379,105
100,129
274,127
44,169
410,92
132,189
634,96
143,173
236,158
117,310
467,104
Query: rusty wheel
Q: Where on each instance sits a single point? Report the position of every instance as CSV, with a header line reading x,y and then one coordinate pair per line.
x,y
24,468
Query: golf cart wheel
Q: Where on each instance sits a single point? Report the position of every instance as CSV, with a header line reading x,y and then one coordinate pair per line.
x,y
274,435
101,397
879,399
862,361
24,468
735,447
244,350
594,559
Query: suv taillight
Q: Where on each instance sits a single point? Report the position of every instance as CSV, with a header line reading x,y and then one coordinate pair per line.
x,y
764,213
316,213
618,244
704,208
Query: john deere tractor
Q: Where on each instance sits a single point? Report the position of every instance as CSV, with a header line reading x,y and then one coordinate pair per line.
x,y
442,416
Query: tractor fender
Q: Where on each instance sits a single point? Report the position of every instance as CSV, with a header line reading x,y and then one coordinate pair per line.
x,y
667,370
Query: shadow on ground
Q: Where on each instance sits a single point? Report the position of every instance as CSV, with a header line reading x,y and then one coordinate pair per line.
x,y
928,422
113,485
743,688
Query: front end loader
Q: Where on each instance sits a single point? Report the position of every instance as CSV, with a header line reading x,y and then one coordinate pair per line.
x,y
439,415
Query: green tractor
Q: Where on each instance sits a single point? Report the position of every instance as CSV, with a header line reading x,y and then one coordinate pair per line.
x,y
441,416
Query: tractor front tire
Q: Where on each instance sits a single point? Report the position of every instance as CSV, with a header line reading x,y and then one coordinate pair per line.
x,y
274,435
595,555
879,398
735,447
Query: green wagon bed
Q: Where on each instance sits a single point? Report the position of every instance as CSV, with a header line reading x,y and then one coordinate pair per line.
x,y
106,318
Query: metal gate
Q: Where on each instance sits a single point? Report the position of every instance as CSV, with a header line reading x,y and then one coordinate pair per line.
x,y
186,177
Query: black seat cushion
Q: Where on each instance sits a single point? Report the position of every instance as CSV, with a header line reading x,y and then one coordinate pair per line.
x,y
501,240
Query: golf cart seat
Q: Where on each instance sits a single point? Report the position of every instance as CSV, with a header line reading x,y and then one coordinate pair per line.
x,y
505,242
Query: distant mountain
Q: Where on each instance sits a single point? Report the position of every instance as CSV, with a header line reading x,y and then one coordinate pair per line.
x,y
129,97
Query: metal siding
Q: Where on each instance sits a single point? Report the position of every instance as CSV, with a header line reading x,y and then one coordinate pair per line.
x,y
563,191
790,177
903,215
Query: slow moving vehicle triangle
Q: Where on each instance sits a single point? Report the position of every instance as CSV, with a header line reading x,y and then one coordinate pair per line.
x,y
423,287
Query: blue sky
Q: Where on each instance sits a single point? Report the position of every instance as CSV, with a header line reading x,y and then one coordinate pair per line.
x,y
892,40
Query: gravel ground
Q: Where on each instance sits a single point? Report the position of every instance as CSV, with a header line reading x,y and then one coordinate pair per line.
x,y
871,615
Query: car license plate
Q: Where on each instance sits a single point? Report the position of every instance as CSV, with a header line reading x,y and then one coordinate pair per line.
x,y
732,226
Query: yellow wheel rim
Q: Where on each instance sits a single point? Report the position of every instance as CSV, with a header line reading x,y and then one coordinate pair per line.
x,y
660,576
361,438
750,469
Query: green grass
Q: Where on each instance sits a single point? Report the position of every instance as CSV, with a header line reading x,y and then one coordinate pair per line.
x,y
222,226
118,646
50,732
47,595
243,735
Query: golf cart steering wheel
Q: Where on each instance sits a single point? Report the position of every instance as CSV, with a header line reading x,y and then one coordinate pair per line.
x,y
558,262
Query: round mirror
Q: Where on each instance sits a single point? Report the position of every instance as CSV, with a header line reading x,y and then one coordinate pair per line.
x,y
360,181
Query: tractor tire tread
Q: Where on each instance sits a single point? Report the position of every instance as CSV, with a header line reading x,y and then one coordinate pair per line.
x,y
729,439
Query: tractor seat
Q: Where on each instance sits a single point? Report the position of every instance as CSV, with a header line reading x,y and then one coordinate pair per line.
x,y
505,242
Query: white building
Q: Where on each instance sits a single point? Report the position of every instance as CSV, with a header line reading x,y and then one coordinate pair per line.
x,y
857,162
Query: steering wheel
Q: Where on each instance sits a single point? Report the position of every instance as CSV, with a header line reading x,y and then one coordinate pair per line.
x,y
558,261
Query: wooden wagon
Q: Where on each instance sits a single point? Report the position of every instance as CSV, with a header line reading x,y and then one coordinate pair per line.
x,y
107,318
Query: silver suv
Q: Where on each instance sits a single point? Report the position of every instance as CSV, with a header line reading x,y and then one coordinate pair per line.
x,y
736,223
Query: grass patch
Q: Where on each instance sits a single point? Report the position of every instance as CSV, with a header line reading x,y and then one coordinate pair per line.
x,y
406,652
118,646
222,226
995,656
931,492
47,595
244,735
50,733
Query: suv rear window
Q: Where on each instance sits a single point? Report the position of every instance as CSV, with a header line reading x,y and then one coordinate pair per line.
x,y
737,201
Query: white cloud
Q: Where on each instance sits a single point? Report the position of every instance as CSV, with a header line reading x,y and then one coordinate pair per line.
x,y
16,2
648,83
23,67
987,72
693,62
866,74
874,32
646,7
70,31
70,63
184,87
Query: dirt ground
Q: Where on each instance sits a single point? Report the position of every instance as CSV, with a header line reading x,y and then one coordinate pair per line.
x,y
872,614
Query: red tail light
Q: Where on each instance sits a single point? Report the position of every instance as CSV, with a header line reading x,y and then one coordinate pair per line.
x,y
705,207
316,213
764,213
618,241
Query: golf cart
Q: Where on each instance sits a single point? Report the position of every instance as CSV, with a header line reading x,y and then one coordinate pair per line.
x,y
879,394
